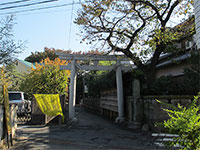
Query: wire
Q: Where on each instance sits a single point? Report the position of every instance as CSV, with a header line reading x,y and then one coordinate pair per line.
x,y
46,12
25,5
8,3
36,9
70,28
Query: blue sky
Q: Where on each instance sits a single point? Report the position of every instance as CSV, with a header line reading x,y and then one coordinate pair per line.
x,y
46,28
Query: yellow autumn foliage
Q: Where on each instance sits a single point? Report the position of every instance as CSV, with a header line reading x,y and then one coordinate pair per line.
x,y
57,62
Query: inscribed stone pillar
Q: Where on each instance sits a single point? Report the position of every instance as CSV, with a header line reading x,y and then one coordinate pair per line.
x,y
137,105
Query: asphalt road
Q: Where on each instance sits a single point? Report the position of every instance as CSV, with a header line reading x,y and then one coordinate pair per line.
x,y
92,132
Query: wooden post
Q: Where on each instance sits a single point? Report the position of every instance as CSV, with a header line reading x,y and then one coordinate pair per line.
x,y
120,96
72,95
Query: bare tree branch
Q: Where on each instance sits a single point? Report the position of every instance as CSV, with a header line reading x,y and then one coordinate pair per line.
x,y
171,11
169,3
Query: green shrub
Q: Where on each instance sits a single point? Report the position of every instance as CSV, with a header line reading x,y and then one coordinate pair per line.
x,y
191,78
169,85
185,122
162,86
98,83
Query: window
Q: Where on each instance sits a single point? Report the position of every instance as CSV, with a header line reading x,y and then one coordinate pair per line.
x,y
14,96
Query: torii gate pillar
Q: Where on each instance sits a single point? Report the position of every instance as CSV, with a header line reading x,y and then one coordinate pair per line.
x,y
72,94
120,96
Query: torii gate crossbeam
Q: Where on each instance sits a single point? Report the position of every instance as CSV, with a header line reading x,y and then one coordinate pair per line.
x,y
73,66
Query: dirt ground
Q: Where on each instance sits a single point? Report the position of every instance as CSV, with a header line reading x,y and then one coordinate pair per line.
x,y
91,132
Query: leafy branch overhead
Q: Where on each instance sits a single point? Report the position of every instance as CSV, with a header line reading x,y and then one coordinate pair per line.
x,y
138,28
8,46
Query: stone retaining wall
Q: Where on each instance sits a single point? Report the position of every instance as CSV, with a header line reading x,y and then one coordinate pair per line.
x,y
150,109
153,111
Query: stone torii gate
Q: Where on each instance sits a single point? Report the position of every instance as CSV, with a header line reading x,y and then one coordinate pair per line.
x,y
73,66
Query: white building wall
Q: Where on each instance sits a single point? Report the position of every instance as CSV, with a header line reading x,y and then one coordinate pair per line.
x,y
22,68
174,70
197,21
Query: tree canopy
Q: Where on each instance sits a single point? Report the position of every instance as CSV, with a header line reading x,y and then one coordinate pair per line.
x,y
47,78
137,28
14,77
8,46
50,54
39,56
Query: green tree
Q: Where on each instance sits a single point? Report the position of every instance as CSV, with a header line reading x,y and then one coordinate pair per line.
x,y
8,46
137,28
51,54
12,77
4,83
46,79
15,77
39,56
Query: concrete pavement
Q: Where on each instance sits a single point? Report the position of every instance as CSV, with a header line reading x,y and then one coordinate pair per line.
x,y
92,132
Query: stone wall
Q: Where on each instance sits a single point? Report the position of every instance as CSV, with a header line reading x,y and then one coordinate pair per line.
x,y
143,112
153,111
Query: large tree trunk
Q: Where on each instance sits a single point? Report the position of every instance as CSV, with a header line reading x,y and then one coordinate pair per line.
x,y
150,72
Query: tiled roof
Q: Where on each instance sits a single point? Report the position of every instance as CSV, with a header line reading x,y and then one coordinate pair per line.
x,y
182,57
